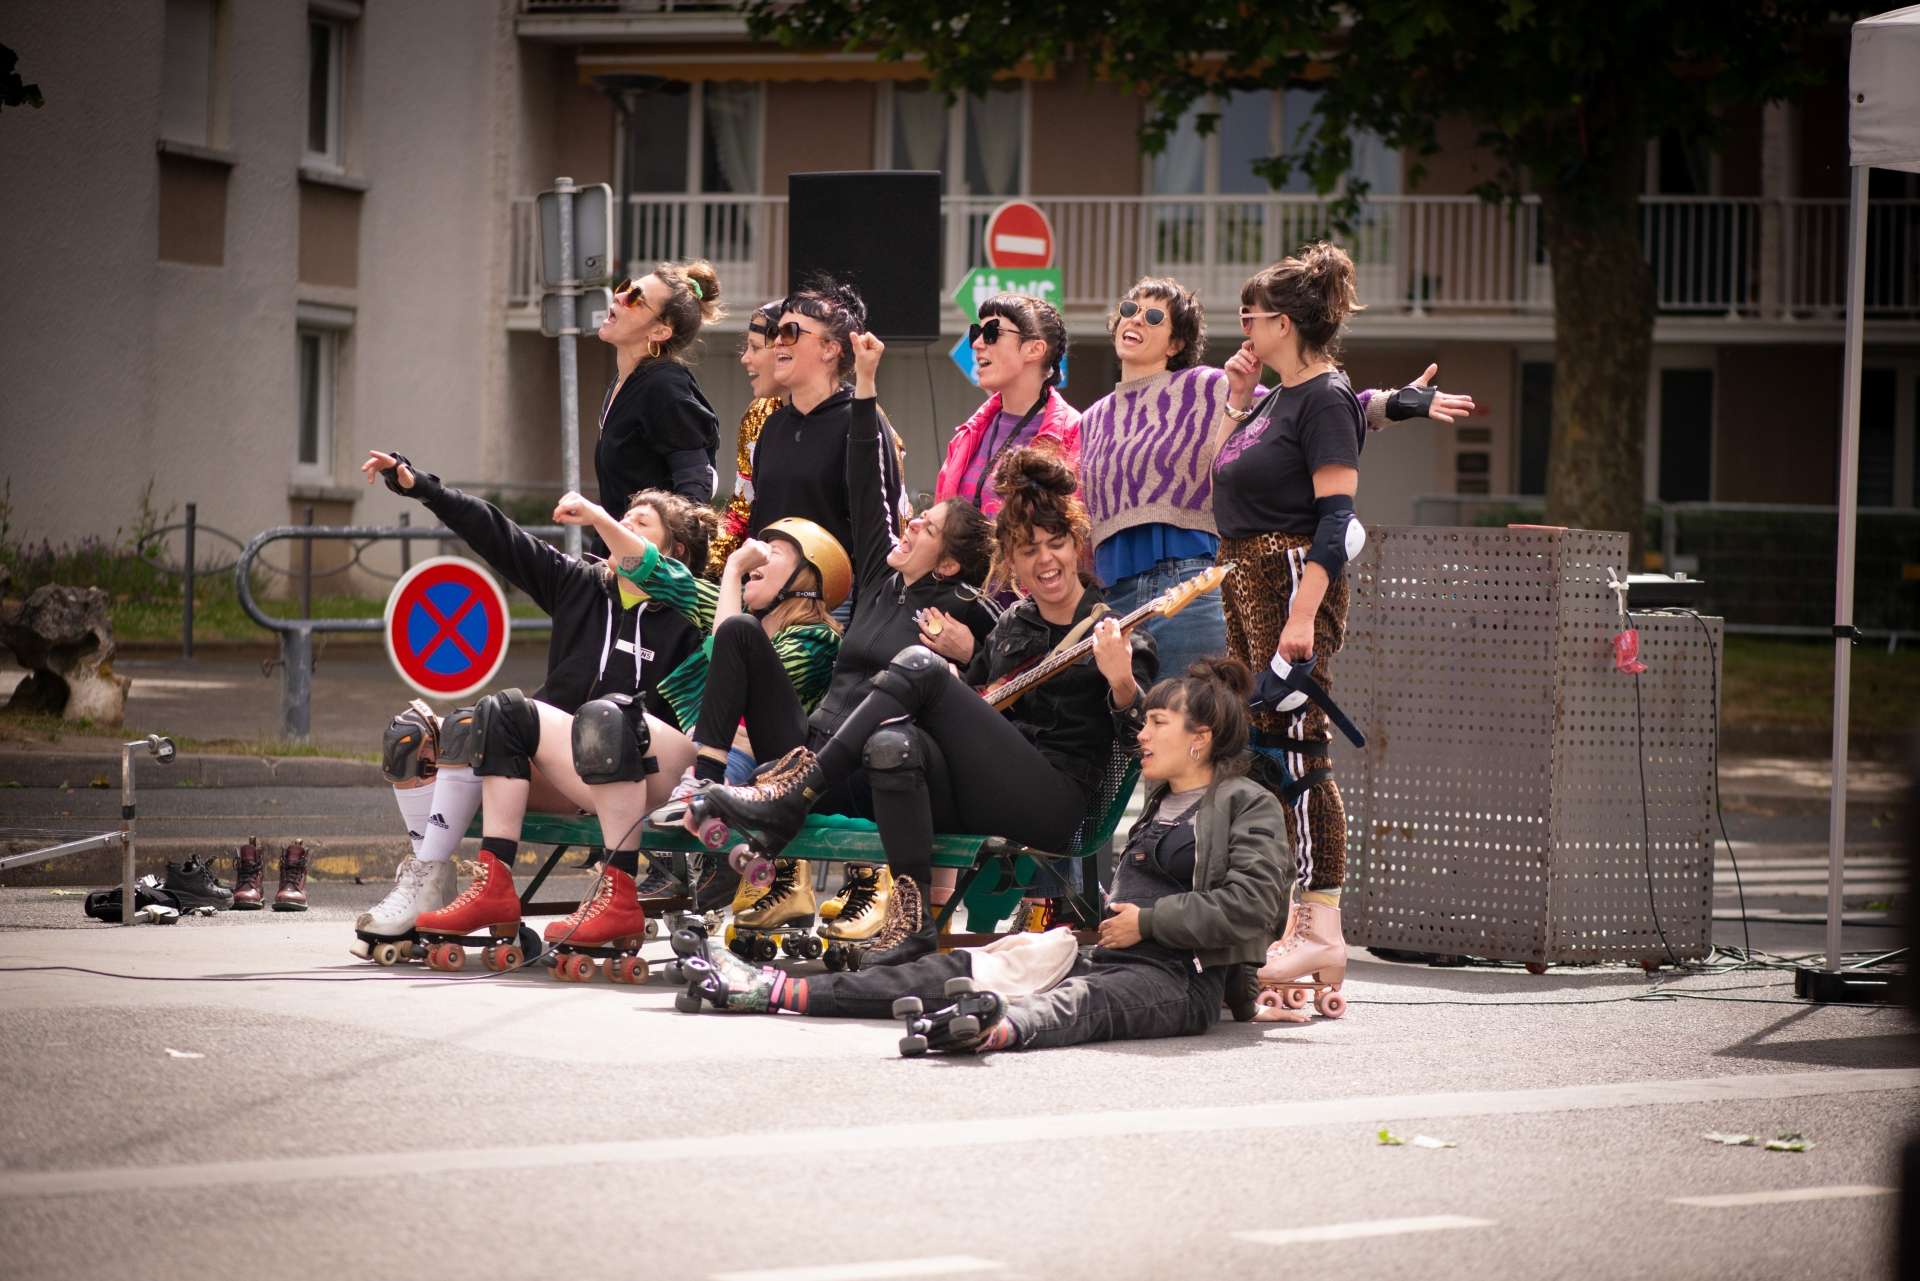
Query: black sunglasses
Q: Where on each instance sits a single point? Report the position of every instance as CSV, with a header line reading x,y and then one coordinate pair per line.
x,y
1129,309
991,331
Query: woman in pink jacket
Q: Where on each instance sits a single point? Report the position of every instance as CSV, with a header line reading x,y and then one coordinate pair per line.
x,y
1017,347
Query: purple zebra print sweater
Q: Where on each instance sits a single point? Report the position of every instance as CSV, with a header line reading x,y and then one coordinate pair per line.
x,y
1147,448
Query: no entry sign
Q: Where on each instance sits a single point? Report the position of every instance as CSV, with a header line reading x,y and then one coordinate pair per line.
x,y
1019,235
446,627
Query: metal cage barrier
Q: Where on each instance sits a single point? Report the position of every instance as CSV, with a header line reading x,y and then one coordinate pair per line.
x,y
1497,808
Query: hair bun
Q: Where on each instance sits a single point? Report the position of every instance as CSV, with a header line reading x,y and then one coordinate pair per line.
x,y
1041,469
704,282
1230,672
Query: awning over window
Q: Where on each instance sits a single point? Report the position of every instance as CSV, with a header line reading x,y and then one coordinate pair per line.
x,y
735,63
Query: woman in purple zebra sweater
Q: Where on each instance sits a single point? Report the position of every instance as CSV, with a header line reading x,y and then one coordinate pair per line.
x,y
1146,460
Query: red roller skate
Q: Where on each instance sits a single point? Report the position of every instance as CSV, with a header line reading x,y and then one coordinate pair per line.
x,y
488,904
611,925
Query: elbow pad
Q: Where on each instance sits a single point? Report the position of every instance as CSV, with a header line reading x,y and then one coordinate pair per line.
x,y
1338,537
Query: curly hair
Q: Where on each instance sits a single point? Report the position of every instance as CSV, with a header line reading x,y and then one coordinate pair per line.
x,y
1184,313
1038,498
691,525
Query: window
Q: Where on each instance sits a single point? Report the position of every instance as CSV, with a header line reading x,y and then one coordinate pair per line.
x,y
1536,425
1251,127
1686,435
193,74
313,444
1879,429
921,130
721,122
326,91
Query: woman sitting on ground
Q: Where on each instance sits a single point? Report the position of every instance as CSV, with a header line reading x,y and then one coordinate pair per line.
x,y
938,756
1200,877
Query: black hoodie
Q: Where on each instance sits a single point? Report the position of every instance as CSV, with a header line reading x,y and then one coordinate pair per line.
x,y
595,646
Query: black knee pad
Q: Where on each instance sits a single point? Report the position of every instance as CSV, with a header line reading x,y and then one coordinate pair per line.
x,y
611,740
459,743
507,732
895,757
915,678
408,750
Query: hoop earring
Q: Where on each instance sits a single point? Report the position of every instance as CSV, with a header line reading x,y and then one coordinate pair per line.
x,y
1193,752
653,349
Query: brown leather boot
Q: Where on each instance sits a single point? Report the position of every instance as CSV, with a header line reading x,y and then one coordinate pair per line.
x,y
292,894
250,864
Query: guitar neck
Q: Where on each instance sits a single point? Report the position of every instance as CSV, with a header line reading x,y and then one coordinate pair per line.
x,y
1052,664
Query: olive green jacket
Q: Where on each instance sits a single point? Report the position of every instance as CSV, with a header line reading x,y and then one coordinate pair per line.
x,y
1240,876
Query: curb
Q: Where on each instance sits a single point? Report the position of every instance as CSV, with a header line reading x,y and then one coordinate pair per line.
x,y
79,769
369,859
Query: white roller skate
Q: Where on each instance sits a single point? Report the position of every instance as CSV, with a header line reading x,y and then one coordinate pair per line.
x,y
386,932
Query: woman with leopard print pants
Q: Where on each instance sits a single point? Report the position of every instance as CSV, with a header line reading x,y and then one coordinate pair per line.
x,y
1283,499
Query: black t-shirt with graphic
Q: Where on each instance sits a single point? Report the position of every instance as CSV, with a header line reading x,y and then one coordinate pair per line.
x,y
1263,475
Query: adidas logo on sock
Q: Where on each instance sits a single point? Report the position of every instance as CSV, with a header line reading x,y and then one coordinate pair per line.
x,y
434,820
413,835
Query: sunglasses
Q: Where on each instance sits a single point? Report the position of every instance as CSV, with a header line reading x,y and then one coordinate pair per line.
x,y
990,331
628,293
1248,317
1129,309
788,333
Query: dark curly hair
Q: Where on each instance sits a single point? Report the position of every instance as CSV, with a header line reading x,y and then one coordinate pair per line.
x,y
692,525
967,536
1212,695
1038,497
1184,313
839,307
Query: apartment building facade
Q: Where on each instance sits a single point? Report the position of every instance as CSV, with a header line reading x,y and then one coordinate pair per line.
x,y
310,223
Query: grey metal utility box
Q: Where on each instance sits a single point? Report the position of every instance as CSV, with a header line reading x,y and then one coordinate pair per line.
x,y
1496,809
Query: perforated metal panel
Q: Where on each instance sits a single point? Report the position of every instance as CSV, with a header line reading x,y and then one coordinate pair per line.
x,y
1496,810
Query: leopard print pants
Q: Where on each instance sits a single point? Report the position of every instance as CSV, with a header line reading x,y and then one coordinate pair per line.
x,y
1258,594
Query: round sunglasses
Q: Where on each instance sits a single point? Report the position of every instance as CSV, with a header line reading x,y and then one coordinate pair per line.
x,y
1129,309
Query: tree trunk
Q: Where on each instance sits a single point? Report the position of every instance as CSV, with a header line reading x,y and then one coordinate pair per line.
x,y
1602,345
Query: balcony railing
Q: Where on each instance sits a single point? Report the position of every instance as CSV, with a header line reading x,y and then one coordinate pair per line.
x,y
1417,255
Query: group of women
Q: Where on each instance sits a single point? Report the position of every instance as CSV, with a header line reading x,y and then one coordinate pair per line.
x,y
834,643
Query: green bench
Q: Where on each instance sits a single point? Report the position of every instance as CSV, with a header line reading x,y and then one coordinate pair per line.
x,y
994,873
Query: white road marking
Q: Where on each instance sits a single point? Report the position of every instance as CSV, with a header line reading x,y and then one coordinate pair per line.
x,y
1007,1131
1007,244
1364,1228
937,1266
1782,1196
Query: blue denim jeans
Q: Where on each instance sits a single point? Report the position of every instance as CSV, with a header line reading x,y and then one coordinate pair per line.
x,y
1198,631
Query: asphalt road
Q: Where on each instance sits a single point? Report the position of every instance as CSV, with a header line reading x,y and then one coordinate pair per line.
x,y
256,1103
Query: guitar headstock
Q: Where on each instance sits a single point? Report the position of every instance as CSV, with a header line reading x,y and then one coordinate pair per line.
x,y
1178,598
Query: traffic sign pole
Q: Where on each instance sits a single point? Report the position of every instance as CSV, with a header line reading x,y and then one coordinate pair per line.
x,y
569,290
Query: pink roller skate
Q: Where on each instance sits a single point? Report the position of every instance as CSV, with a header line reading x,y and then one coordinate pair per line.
x,y
1310,958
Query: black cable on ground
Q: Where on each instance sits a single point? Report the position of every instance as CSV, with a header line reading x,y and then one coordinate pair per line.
x,y
1719,812
1646,818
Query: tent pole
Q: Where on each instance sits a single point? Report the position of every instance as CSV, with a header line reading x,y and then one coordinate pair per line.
x,y
1843,571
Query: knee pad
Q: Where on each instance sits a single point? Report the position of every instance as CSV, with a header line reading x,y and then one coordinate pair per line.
x,y
459,744
915,677
507,733
409,749
610,741
895,757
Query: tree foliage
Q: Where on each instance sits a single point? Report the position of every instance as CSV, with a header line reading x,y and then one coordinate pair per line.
x,y
1562,95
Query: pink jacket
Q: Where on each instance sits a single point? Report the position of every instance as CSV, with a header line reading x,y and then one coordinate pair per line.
x,y
1058,419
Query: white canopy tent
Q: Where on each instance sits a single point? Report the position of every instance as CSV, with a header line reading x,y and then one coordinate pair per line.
x,y
1883,131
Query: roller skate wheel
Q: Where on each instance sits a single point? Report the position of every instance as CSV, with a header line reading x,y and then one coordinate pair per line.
x,y
386,953
1295,998
912,1047
854,959
836,959
1536,967
713,833
765,950
1331,1004
653,929
687,1002
502,956
964,1025
575,967
814,948
453,957
907,1007
1268,999
958,984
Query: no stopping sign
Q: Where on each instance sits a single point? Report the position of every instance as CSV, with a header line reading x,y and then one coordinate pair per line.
x,y
446,627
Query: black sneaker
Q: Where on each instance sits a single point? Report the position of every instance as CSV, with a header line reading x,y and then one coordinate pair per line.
x,y
193,884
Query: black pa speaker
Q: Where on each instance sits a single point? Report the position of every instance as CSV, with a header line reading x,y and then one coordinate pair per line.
x,y
877,230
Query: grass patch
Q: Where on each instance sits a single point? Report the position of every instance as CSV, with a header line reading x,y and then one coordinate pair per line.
x,y
1777,683
218,618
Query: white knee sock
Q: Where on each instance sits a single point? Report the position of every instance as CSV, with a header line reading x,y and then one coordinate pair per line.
x,y
456,799
415,803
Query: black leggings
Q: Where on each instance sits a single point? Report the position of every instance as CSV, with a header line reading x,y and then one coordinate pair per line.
x,y
939,758
745,678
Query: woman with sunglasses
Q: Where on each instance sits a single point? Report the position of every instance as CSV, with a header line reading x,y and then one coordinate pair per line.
x,y
1017,346
657,430
1284,482
1146,459
756,357
802,466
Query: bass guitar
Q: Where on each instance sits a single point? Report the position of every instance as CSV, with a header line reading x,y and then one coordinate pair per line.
x,y
1005,692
